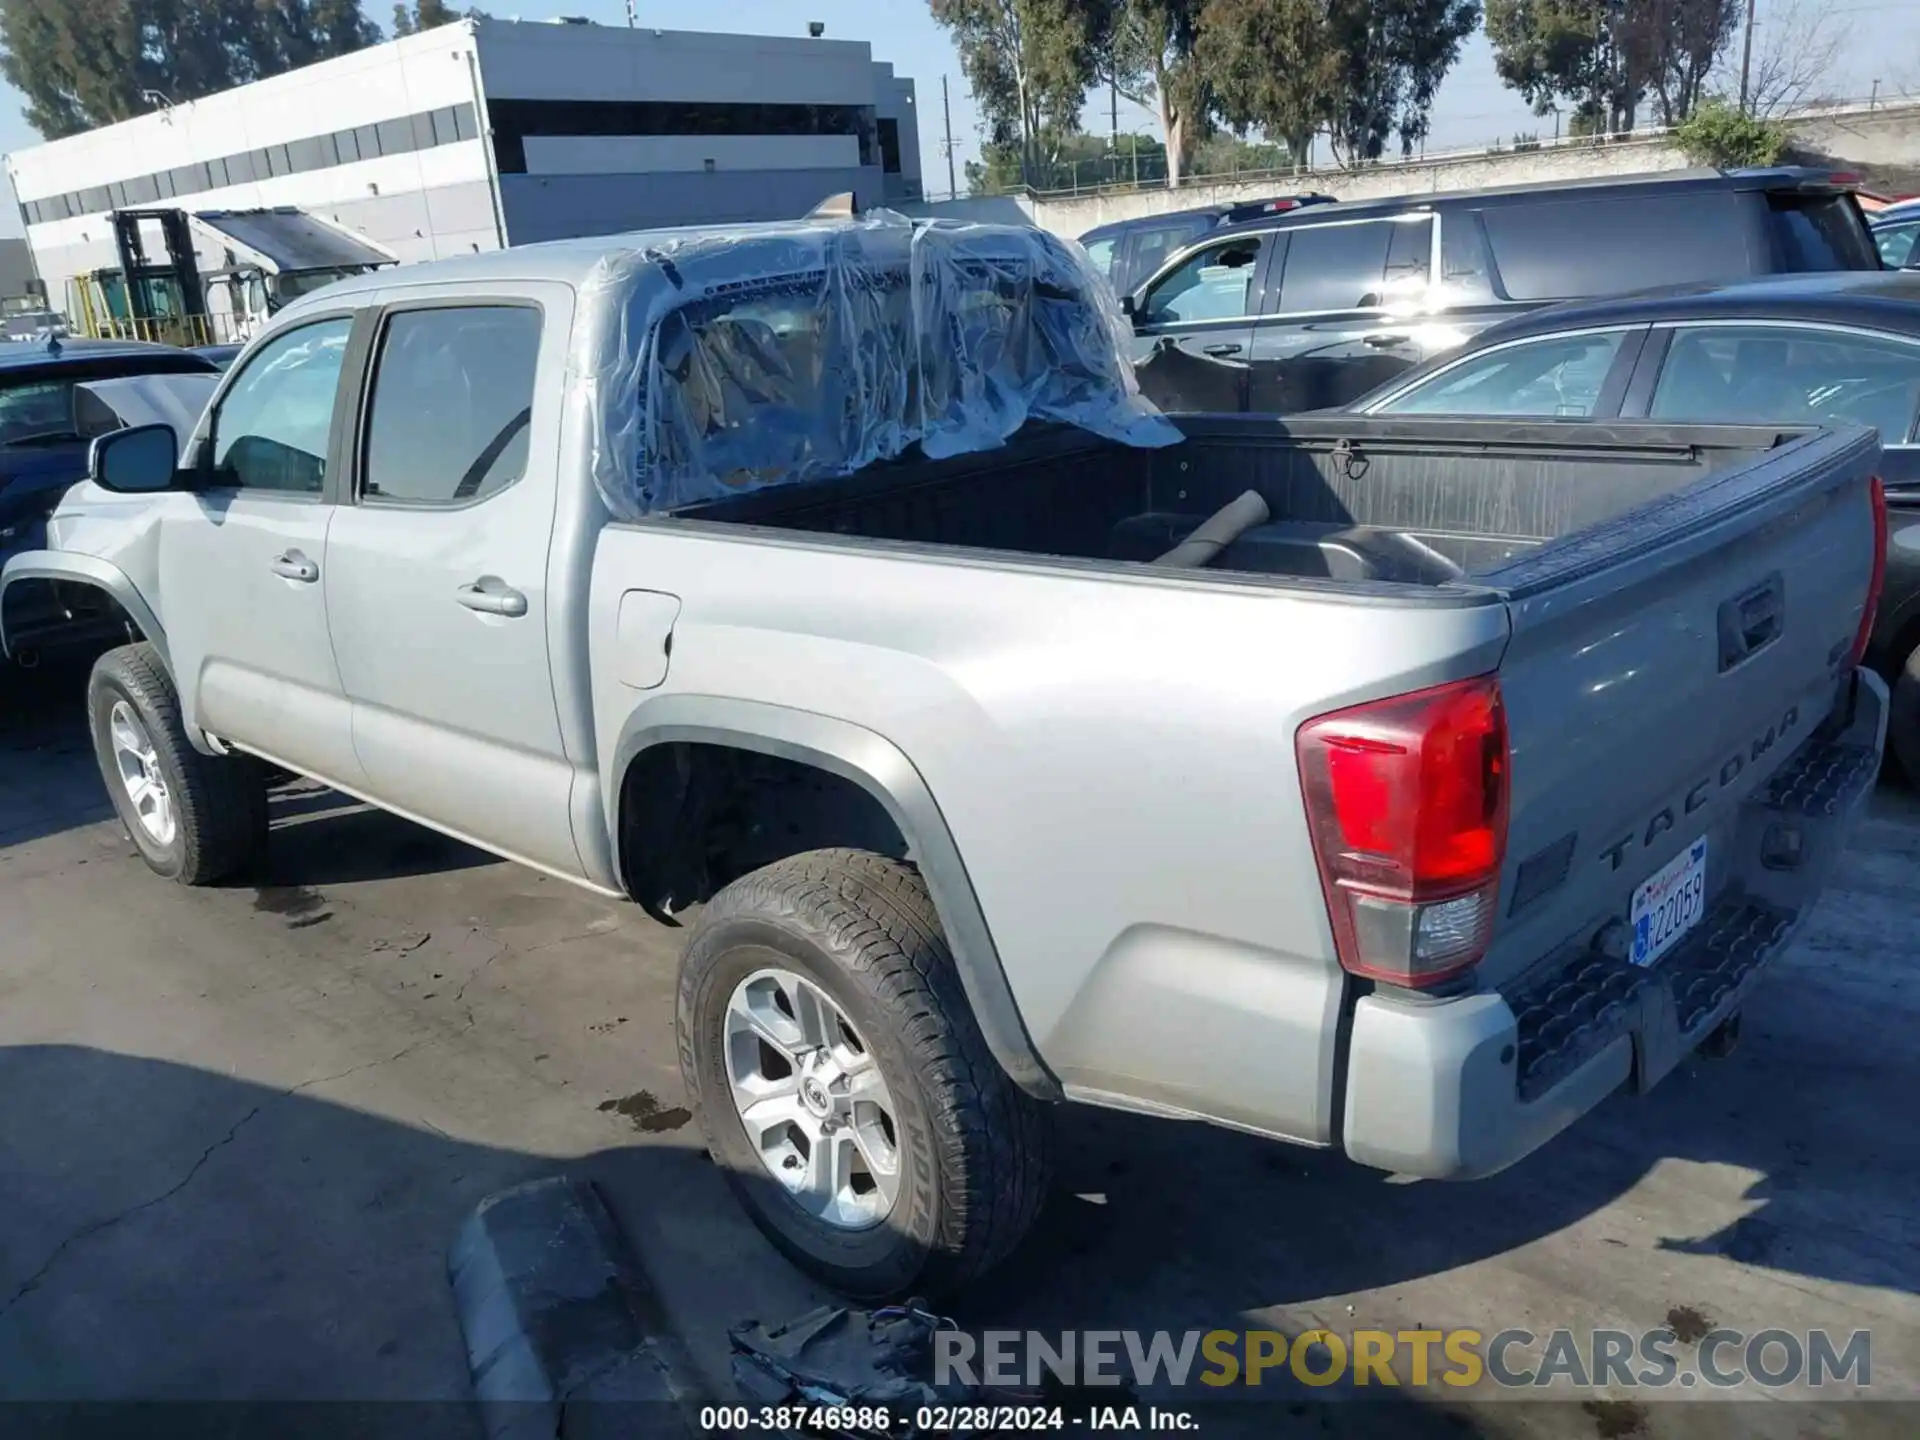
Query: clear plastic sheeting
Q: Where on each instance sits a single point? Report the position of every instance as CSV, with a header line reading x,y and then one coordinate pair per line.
x,y
723,362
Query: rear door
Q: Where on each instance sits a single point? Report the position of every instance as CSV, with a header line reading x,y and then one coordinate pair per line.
x,y
1347,311
1194,323
437,585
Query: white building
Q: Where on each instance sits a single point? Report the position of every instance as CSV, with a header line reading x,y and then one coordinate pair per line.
x,y
489,133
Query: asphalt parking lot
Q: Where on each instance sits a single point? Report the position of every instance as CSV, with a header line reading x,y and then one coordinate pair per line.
x,y
240,1126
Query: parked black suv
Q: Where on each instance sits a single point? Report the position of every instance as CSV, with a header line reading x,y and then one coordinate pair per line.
x,y
1128,251
1316,307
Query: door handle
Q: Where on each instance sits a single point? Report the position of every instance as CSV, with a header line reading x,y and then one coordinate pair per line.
x,y
490,597
1387,342
1220,349
295,566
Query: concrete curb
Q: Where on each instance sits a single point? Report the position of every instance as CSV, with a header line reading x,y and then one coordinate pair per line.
x,y
564,1335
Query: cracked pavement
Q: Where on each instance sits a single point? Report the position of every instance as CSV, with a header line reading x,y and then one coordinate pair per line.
x,y
242,1125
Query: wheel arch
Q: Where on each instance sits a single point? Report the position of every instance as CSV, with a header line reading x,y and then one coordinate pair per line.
x,y
89,570
880,770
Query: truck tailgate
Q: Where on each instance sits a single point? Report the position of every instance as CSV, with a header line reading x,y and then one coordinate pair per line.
x,y
1663,670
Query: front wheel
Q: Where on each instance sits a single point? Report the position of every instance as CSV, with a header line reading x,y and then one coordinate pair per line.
x,y
194,818
843,1084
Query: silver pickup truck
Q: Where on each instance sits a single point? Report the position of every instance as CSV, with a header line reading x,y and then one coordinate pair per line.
x,y
1399,786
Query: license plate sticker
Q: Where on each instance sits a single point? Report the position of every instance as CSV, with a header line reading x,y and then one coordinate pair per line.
x,y
1670,904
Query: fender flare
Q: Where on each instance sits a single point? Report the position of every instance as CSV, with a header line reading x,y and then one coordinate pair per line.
x,y
879,767
85,570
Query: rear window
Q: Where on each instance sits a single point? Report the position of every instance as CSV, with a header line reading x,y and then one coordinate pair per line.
x,y
1820,232
1570,249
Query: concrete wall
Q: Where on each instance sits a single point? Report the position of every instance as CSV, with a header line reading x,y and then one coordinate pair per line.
x,y
1069,216
1883,144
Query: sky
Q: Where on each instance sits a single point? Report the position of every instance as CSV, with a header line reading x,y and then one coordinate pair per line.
x,y
1880,40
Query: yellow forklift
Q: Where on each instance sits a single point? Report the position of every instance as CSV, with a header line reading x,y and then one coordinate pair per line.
x,y
158,292
149,296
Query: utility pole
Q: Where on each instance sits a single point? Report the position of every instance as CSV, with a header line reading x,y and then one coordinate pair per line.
x,y
946,115
1746,57
633,15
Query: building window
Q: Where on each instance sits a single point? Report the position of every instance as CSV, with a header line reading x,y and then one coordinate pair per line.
x,y
890,145
515,120
424,131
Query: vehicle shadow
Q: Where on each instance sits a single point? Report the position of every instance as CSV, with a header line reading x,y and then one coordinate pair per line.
x,y
241,1247
50,783
1798,1154
321,837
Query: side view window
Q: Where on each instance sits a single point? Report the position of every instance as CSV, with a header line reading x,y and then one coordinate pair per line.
x,y
1783,375
1561,376
1212,284
1100,252
452,402
1355,267
1896,244
273,424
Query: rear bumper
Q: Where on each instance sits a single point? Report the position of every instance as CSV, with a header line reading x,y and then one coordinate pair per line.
x,y
1455,1089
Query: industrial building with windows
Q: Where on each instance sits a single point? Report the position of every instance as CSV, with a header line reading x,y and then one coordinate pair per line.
x,y
488,133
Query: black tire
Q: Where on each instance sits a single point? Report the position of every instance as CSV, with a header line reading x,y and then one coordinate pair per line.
x,y
1903,720
976,1151
220,802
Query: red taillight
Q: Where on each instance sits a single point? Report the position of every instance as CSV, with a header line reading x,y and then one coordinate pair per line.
x,y
1877,576
1407,802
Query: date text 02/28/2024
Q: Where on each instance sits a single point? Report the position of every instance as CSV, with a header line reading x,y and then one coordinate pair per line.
x,y
856,1420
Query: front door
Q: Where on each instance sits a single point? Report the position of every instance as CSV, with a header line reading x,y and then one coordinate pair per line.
x,y
1346,313
437,575
1194,324
241,575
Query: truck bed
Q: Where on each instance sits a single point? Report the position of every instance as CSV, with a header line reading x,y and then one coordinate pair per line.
x,y
1351,499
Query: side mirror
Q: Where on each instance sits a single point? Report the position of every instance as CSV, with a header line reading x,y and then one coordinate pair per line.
x,y
1127,307
138,461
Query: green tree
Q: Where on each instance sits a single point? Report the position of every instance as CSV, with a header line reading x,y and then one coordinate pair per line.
x,y
1675,44
1581,51
85,63
429,15
1149,53
1271,65
1392,56
1719,133
1029,63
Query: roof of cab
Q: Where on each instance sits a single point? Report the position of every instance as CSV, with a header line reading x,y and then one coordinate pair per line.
x,y
568,261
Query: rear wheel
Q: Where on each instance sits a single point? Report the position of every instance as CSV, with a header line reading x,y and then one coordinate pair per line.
x,y
194,818
843,1084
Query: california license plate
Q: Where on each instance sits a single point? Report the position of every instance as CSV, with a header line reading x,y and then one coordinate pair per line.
x,y
1670,904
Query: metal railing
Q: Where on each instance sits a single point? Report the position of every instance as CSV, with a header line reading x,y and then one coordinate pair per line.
x,y
1293,176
